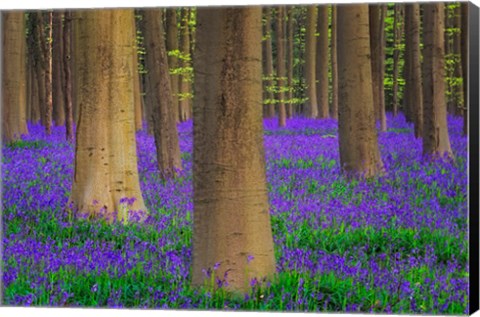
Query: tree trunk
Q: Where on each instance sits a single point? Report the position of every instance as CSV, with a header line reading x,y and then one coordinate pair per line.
x,y
105,154
398,25
48,75
57,60
281,70
172,46
458,70
322,62
377,43
39,54
269,73
159,89
184,99
413,89
358,144
14,76
67,70
464,58
334,108
435,133
136,84
290,53
228,154
310,51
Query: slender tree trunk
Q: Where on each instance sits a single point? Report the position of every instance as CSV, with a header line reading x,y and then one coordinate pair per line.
x,y
398,25
281,70
14,76
269,73
448,44
165,127
358,144
465,68
57,62
48,76
458,70
377,43
310,52
228,154
172,46
39,54
290,53
184,89
413,89
334,108
435,133
67,70
322,62
105,154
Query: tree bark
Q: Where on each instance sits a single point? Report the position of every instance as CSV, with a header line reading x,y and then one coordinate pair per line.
x,y
136,84
14,76
159,90
398,26
105,151
57,62
310,52
322,62
228,154
334,108
67,71
435,132
358,143
281,70
172,46
413,89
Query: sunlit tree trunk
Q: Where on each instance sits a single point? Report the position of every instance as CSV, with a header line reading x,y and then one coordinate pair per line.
x,y
322,62
14,76
311,109
436,141
281,70
105,170
136,84
334,108
160,94
57,74
413,89
172,47
357,135
228,154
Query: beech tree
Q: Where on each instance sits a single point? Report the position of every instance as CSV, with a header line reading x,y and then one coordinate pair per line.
x,y
436,141
311,109
172,48
357,135
14,76
228,153
269,73
57,70
334,107
464,59
159,93
184,89
322,62
290,53
281,69
398,26
67,71
105,170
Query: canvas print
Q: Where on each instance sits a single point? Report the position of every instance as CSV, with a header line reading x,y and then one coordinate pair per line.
x,y
285,158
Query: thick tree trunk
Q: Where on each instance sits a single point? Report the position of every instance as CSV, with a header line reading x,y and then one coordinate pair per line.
x,y
398,25
136,84
334,107
269,73
464,58
413,89
160,94
281,70
311,109
228,154
172,46
57,62
184,99
105,154
14,76
377,44
435,132
322,62
358,144
67,68
290,53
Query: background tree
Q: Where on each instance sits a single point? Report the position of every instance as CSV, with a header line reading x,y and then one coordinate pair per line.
x,y
14,116
281,69
159,93
105,151
413,88
290,53
464,59
435,132
67,71
269,72
310,54
57,70
334,107
172,49
322,62
398,27
185,87
357,135
228,154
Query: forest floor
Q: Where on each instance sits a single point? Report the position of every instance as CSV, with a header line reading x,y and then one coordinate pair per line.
x,y
398,243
